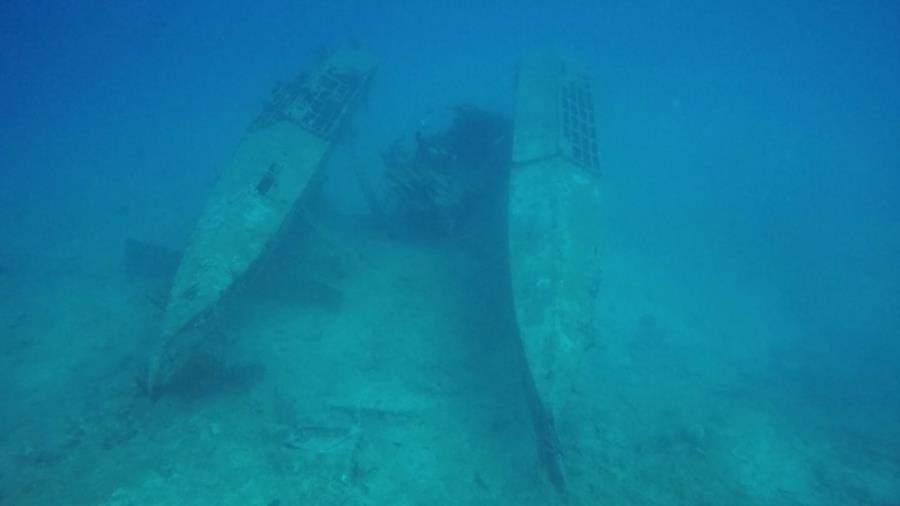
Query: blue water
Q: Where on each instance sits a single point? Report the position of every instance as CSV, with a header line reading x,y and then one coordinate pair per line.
x,y
748,329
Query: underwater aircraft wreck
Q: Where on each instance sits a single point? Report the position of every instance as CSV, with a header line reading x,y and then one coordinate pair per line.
x,y
275,163
549,164
552,232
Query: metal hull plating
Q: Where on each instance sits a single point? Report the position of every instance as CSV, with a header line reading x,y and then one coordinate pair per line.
x,y
269,172
553,227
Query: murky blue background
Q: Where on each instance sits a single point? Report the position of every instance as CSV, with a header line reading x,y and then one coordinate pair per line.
x,y
750,159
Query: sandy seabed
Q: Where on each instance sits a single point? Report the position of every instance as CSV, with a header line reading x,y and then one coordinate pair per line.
x,y
374,371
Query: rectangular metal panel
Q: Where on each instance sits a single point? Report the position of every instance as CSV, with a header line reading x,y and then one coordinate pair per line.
x,y
270,170
553,226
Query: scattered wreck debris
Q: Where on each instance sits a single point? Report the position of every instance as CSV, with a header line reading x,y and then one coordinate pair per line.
x,y
439,180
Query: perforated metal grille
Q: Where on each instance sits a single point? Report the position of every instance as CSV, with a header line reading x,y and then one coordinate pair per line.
x,y
579,134
323,101
318,102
